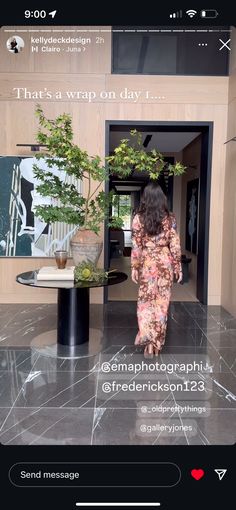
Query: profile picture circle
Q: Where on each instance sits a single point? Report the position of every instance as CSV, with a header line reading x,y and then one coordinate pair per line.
x,y
15,44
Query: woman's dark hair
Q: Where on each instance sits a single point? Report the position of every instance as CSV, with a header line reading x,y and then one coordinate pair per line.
x,y
153,208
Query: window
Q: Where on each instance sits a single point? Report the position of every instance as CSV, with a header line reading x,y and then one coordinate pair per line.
x,y
175,53
122,209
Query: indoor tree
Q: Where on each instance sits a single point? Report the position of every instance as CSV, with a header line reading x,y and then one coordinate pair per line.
x,y
88,210
130,155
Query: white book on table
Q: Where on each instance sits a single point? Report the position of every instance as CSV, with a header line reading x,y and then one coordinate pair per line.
x,y
53,273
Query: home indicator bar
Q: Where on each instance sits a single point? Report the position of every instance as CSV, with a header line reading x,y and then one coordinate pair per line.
x,y
118,504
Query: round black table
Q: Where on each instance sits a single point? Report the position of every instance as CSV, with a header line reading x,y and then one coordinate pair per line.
x,y
72,335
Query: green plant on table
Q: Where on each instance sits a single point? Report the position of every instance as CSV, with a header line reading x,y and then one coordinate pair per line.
x,y
87,271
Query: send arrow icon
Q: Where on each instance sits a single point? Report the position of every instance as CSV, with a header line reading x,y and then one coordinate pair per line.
x,y
220,473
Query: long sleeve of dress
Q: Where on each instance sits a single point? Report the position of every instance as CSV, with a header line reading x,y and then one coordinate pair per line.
x,y
174,246
136,251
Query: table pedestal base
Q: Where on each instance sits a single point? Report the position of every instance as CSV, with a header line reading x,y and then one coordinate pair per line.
x,y
73,316
46,345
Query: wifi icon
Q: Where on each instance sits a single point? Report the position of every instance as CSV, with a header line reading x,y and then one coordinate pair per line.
x,y
191,13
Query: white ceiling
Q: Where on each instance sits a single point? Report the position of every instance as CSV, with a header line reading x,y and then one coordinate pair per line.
x,y
164,142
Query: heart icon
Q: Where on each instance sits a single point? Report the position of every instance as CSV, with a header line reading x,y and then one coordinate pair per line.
x,y
197,474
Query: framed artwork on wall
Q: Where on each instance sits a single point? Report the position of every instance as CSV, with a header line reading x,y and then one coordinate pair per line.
x,y
22,234
192,216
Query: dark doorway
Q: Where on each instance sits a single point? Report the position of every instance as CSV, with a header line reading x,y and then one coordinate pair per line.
x,y
166,183
206,131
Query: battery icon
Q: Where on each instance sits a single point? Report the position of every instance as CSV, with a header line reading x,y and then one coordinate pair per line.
x,y
209,13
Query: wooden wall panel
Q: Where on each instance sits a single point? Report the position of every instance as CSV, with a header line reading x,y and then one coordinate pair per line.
x,y
24,87
16,293
232,88
217,206
169,89
232,63
229,216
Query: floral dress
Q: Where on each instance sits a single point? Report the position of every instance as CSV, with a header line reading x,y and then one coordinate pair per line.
x,y
156,258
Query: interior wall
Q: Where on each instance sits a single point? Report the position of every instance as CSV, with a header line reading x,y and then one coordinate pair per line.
x,y
229,217
191,158
183,98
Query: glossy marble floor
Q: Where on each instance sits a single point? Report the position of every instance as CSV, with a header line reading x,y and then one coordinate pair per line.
x,y
47,400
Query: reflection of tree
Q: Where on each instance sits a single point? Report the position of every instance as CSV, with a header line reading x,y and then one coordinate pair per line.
x,y
192,216
122,209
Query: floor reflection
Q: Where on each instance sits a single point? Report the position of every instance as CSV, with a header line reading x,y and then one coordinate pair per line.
x,y
45,400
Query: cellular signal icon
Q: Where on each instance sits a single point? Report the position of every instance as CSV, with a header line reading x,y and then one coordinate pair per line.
x,y
177,14
191,13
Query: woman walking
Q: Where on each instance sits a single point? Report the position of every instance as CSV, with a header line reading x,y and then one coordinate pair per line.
x,y
155,258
